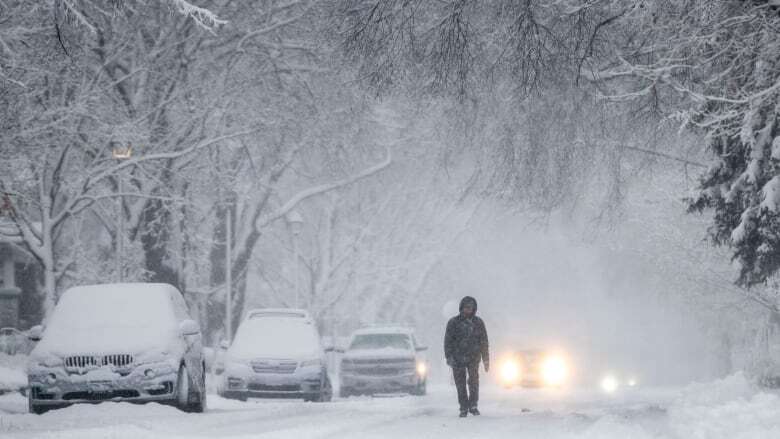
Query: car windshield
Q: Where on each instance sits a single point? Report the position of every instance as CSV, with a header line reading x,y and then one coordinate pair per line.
x,y
380,341
276,337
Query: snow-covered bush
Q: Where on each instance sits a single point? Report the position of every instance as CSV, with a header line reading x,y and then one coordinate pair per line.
x,y
731,408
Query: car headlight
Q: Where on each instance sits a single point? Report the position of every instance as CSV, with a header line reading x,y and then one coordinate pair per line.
x,y
235,383
422,368
554,371
316,362
631,382
609,384
48,361
510,371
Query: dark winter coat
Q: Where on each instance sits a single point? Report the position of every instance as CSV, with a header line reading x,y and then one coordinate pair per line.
x,y
466,339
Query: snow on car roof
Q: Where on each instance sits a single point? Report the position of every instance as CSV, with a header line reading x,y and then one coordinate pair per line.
x,y
110,317
121,289
276,336
277,312
384,329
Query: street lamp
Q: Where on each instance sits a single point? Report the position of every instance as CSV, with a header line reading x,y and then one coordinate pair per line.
x,y
121,153
295,223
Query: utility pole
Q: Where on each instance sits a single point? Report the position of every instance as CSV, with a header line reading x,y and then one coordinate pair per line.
x,y
295,222
120,154
120,238
228,275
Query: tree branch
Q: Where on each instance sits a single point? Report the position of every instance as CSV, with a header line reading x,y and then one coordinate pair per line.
x,y
321,189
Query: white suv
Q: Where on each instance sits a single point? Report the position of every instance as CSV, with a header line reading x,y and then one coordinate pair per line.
x,y
276,353
119,342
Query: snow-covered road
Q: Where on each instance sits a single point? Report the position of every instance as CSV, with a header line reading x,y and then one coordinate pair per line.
x,y
728,409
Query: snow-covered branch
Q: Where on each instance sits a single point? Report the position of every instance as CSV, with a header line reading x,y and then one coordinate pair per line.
x,y
290,204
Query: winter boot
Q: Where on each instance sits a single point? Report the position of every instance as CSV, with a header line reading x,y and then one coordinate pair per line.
x,y
463,413
474,411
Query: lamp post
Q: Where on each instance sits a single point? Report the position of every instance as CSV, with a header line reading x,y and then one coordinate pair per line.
x,y
121,153
295,222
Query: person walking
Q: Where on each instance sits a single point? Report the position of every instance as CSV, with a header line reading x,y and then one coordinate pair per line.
x,y
465,345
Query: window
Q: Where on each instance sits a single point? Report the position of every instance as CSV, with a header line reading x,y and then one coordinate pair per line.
x,y
380,341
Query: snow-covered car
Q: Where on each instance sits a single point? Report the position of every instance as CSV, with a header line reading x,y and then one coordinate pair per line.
x,y
276,353
383,360
118,342
533,368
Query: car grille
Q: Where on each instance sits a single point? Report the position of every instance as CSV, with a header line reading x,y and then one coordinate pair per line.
x,y
270,388
274,366
101,396
85,361
381,367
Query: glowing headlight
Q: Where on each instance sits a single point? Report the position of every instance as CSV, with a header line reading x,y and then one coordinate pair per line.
x,y
422,369
554,371
510,372
631,382
609,384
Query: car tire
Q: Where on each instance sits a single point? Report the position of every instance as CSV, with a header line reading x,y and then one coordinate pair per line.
x,y
325,394
36,409
420,389
188,397
200,405
236,396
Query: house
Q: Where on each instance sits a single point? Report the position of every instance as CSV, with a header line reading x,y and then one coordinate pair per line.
x,y
19,307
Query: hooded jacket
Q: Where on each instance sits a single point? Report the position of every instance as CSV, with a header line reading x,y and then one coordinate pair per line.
x,y
466,339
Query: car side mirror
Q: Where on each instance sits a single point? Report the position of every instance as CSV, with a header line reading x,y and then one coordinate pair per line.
x,y
189,327
421,348
224,345
35,333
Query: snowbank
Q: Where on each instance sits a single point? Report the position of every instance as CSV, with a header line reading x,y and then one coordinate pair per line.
x,y
731,408
12,372
612,427
11,379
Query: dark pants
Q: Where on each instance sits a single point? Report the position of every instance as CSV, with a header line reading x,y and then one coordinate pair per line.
x,y
470,399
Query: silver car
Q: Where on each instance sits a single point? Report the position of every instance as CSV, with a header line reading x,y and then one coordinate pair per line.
x,y
383,360
276,354
118,342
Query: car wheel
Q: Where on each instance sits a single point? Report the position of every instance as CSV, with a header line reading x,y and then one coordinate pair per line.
x,y
324,395
32,408
326,391
199,393
183,389
188,397
235,396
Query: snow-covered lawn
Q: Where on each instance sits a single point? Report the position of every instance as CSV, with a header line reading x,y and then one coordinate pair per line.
x,y
729,409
